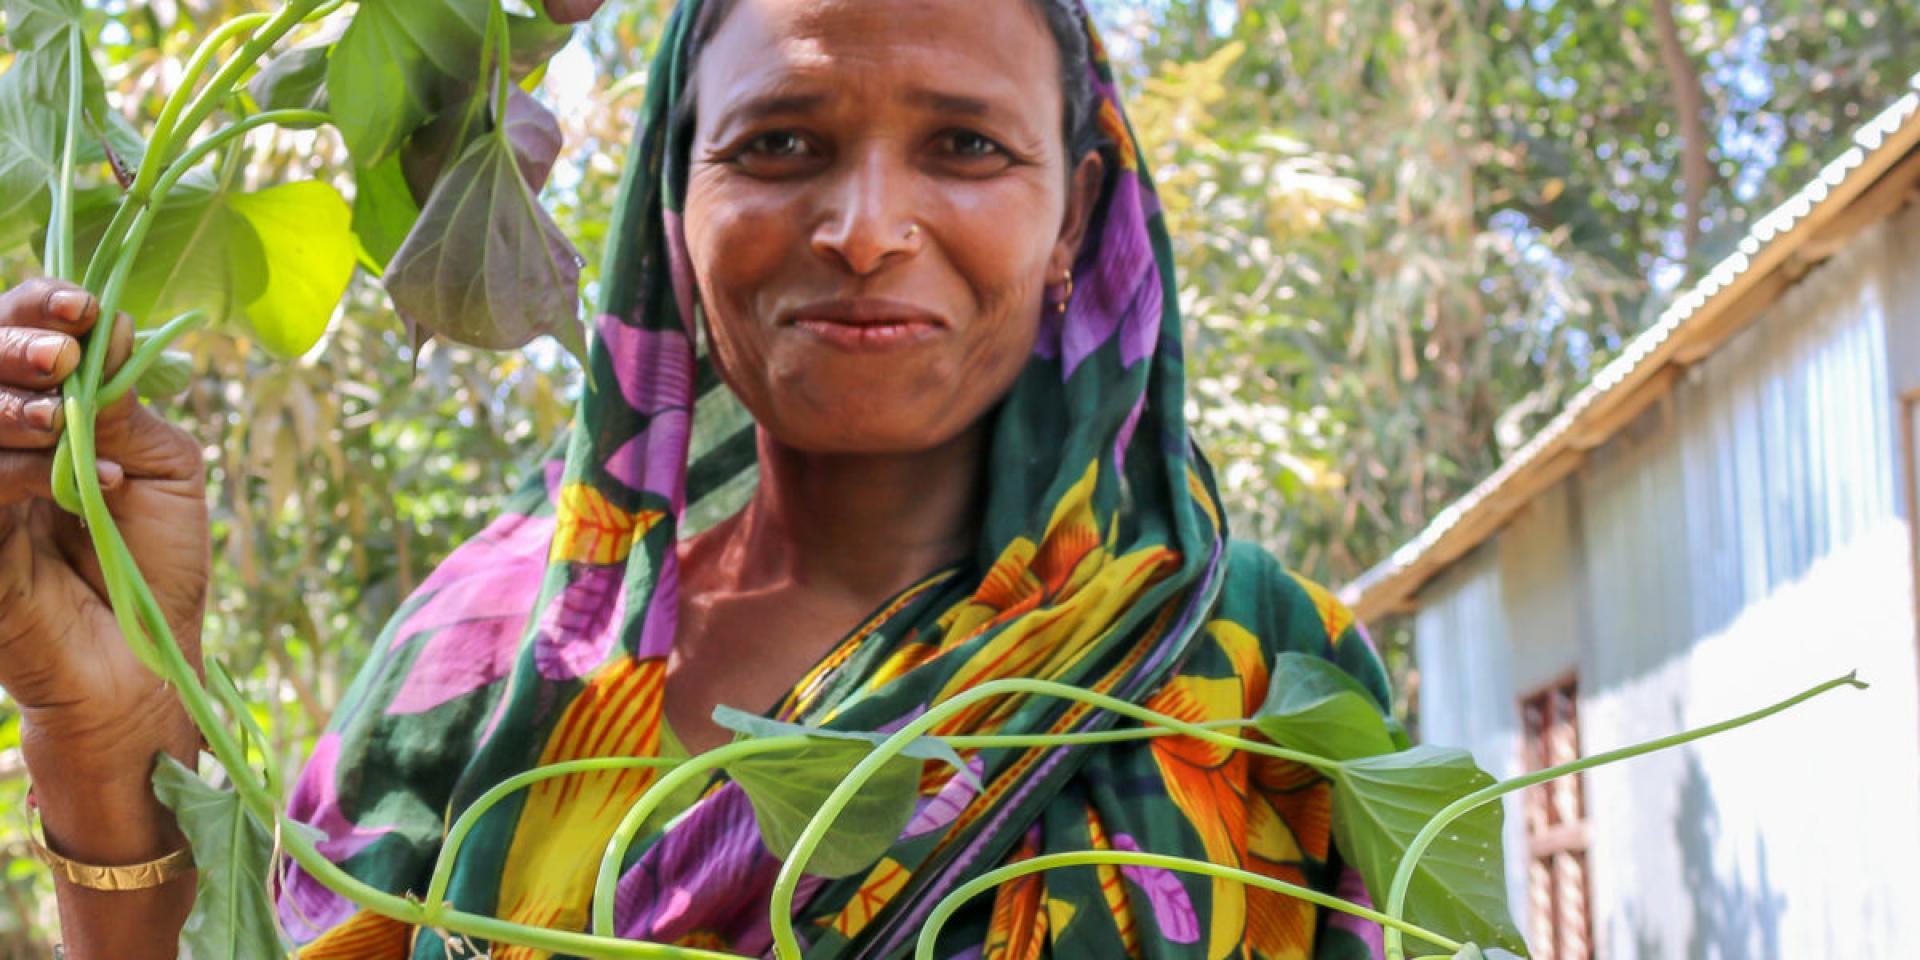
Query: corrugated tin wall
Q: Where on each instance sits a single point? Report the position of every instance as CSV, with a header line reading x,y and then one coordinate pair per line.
x,y
1743,540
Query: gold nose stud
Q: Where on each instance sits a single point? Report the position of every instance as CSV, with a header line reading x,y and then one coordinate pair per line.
x,y
913,230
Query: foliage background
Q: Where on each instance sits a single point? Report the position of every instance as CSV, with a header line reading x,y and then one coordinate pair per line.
x,y
1407,231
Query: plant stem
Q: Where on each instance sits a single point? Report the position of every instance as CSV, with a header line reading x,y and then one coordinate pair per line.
x,y
59,258
787,945
502,65
249,53
944,910
1403,876
165,133
606,881
145,353
464,824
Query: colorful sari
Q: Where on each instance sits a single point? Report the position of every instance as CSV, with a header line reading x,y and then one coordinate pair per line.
x,y
1102,562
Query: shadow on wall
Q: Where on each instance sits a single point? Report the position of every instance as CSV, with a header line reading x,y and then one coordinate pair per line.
x,y
1730,918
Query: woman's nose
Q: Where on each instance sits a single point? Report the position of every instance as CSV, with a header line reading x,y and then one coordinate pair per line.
x,y
868,219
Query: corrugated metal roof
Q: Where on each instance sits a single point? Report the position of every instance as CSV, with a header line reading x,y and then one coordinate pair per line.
x,y
1648,362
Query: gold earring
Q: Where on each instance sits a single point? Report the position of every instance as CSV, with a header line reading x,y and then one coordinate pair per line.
x,y
1066,295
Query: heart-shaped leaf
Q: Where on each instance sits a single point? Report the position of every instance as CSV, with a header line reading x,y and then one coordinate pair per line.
x,y
532,130
787,789
485,265
306,233
1459,887
233,914
1315,707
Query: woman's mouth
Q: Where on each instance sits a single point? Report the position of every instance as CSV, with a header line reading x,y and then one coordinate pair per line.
x,y
865,324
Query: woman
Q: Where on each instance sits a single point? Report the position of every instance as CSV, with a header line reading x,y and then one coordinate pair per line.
x,y
942,367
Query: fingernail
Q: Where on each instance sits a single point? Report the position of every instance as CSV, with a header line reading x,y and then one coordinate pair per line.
x,y
44,414
69,305
44,353
110,474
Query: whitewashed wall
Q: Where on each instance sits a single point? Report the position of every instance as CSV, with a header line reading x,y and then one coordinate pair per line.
x,y
1743,540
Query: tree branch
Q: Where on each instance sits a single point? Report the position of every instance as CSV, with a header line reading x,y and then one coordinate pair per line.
x,y
1690,106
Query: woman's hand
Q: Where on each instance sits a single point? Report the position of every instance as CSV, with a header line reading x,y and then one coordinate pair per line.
x,y
91,714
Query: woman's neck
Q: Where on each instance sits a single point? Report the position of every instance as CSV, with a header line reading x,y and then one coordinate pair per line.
x,y
858,526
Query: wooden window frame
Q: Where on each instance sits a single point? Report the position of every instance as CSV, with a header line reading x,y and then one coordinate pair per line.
x,y
1555,818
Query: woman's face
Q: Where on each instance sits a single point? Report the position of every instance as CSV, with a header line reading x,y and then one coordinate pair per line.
x,y
877,201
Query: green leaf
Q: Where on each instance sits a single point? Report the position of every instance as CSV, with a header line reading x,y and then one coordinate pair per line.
x,y
295,80
185,260
485,265
233,914
398,63
1459,886
383,213
306,232
533,131
277,260
787,789
1316,707
36,23
40,33
754,726
29,140
170,375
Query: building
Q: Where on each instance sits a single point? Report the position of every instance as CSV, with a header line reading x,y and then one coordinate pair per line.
x,y
1725,516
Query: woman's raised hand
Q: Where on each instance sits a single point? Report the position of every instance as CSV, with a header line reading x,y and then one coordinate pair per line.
x,y
92,714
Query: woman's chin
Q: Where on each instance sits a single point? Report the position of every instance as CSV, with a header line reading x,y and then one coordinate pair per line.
x,y
857,429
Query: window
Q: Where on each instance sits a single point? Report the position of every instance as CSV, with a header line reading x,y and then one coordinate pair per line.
x,y
1556,815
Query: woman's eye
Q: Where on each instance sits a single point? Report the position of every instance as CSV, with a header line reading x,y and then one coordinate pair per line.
x,y
779,143
966,143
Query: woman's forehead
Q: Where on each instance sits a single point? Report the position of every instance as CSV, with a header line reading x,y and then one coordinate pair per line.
x,y
937,53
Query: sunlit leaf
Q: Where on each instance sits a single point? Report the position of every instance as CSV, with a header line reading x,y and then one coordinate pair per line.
x,y
276,259
305,230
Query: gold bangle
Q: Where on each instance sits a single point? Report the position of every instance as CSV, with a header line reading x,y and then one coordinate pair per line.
x,y
137,876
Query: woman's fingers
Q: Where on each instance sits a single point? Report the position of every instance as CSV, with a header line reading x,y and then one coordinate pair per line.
x,y
44,303
36,359
29,419
28,475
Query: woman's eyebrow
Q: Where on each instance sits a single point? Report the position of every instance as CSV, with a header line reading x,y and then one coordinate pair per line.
x,y
767,105
942,102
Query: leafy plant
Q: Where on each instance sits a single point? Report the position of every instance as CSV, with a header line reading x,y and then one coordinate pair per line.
x,y
442,138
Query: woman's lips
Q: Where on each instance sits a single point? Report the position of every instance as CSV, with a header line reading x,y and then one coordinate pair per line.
x,y
865,325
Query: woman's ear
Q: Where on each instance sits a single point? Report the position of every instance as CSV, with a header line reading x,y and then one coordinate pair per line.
x,y
1083,194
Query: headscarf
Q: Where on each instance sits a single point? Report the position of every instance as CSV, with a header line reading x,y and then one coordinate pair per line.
x,y
1102,561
